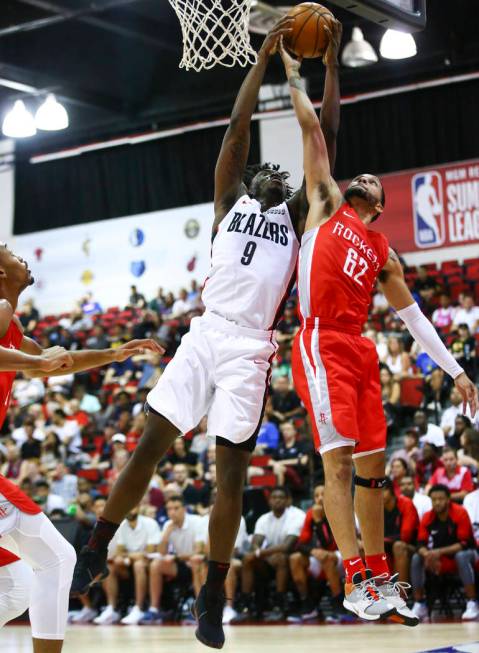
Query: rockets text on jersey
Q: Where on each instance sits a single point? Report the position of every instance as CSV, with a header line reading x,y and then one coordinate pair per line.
x,y
253,260
339,263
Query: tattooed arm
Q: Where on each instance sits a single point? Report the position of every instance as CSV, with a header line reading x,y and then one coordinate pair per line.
x,y
322,192
234,152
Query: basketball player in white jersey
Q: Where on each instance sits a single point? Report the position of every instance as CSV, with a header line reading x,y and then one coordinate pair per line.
x,y
222,367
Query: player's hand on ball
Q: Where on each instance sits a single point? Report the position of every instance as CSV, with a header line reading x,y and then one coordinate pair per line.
x,y
468,392
55,358
136,347
291,65
270,43
334,32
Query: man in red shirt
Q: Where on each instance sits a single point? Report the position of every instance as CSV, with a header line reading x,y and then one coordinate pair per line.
x,y
336,370
24,529
317,555
445,546
401,522
456,477
427,464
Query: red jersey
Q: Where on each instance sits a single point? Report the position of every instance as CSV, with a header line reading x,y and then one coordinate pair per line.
x,y
435,534
462,479
6,557
11,340
339,263
402,522
315,535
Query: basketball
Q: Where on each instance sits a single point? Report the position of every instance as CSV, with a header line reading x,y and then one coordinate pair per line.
x,y
308,38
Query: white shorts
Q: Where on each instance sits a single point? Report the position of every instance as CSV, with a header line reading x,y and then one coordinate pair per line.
x,y
220,370
315,567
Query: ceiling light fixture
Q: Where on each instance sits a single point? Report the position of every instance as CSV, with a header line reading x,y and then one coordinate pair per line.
x,y
19,122
397,45
51,115
358,52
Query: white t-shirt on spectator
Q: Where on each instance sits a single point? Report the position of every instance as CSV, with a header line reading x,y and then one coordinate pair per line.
x,y
241,538
277,529
28,391
380,301
69,434
180,307
146,533
449,417
20,436
66,487
182,540
434,435
470,317
471,504
422,503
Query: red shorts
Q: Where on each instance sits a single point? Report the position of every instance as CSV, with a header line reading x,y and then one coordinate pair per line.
x,y
336,375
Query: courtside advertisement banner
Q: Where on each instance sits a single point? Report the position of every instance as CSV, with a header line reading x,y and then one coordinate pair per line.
x,y
432,207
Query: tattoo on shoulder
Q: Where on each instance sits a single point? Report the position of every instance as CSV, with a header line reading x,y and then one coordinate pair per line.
x,y
296,81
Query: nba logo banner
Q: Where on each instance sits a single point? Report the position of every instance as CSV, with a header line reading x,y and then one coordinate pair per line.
x,y
428,209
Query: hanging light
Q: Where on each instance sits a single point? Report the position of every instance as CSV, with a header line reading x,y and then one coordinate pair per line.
x,y
358,52
51,115
19,122
397,45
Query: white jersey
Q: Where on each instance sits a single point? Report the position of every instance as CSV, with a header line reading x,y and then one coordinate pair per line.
x,y
252,264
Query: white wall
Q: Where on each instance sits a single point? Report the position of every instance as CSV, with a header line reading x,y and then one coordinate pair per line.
x,y
281,143
7,180
70,261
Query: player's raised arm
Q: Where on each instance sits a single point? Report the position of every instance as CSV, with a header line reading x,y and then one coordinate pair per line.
x,y
397,293
234,151
322,191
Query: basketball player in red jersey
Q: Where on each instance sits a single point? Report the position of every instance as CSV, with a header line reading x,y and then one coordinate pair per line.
x,y
43,584
222,365
336,371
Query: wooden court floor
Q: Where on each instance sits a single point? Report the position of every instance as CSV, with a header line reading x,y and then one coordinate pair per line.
x,y
256,639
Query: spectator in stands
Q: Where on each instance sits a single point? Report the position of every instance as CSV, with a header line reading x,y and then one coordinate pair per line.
x,y
64,484
135,539
13,468
425,285
289,324
119,373
391,394
196,499
463,348
449,415
430,433
82,510
401,522
48,500
136,300
285,401
67,430
181,538
469,453
31,447
399,469
427,464
444,540
471,505
443,316
90,306
455,477
21,433
87,402
28,391
158,302
275,536
29,316
380,304
436,393
51,452
97,339
199,442
422,502
289,461
119,460
268,436
317,555
181,456
397,360
181,306
410,452
467,314
461,423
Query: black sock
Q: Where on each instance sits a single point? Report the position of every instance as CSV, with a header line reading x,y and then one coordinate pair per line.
x,y
215,580
102,534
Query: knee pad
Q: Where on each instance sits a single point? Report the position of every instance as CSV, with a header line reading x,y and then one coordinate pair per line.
x,y
370,483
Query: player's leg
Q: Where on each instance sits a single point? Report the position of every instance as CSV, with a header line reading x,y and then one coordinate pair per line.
x,y
52,559
15,581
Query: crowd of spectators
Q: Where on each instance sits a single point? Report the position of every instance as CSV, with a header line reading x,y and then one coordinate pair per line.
x,y
67,438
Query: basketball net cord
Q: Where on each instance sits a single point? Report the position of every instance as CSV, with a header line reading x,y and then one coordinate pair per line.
x,y
214,32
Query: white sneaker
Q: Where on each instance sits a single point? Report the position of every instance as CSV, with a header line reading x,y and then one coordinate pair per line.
x,y
107,617
472,611
85,616
134,617
391,591
420,610
229,613
363,598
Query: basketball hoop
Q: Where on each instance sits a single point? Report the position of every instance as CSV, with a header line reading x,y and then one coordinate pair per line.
x,y
214,32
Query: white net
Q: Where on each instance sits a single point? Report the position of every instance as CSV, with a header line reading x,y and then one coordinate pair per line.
x,y
214,32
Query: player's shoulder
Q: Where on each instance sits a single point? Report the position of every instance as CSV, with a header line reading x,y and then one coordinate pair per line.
x,y
6,316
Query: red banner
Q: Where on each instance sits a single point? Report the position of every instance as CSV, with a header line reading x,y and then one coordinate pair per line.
x,y
432,207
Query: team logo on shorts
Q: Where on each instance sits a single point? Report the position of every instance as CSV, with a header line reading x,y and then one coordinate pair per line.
x,y
428,209
192,228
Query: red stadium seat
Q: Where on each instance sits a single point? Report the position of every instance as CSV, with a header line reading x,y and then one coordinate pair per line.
x,y
92,475
471,261
412,392
456,289
265,480
259,461
447,265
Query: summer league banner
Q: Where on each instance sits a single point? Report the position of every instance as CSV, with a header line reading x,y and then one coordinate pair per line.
x,y
432,208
